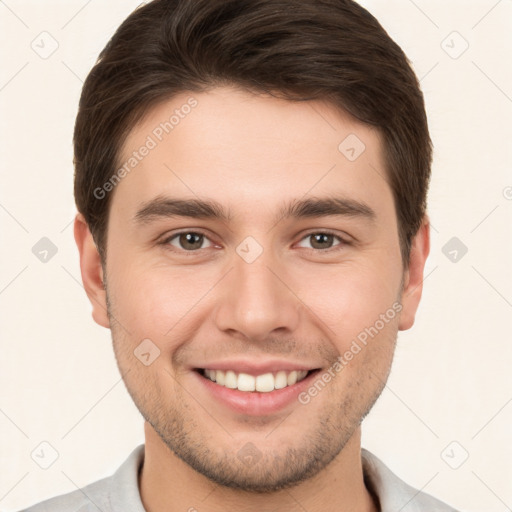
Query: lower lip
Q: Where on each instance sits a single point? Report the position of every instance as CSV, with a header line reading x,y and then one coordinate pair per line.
x,y
255,403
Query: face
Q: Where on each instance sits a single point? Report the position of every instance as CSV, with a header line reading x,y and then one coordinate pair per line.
x,y
297,266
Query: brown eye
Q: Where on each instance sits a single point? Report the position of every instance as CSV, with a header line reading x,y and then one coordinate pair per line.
x,y
187,240
322,240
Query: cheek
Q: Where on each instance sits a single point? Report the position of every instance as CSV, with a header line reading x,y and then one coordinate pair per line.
x,y
156,301
351,299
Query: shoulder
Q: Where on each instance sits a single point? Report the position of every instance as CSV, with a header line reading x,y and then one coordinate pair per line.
x,y
92,497
117,492
393,493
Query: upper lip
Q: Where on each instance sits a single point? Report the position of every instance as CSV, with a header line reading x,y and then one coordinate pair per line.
x,y
252,367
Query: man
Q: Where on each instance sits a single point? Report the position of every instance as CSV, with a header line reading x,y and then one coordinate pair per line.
x,y
251,181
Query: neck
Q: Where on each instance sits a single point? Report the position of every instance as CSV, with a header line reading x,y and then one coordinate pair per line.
x,y
168,484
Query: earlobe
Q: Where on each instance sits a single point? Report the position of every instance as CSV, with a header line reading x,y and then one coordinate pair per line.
x,y
413,277
91,270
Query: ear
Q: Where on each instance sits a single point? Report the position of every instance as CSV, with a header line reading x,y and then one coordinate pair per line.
x,y
413,277
92,272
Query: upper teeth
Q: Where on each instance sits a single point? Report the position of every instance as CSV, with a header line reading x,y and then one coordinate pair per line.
x,y
264,383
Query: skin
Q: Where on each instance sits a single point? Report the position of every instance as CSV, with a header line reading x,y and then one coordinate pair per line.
x,y
296,301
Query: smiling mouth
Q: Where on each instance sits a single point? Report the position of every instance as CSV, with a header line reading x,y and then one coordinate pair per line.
x,y
263,383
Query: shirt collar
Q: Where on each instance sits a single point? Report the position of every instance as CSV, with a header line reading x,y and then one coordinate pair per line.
x,y
390,492
124,493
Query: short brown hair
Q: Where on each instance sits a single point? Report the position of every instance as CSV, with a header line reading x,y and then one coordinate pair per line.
x,y
332,50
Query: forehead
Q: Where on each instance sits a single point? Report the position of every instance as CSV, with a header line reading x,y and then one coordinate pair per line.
x,y
249,150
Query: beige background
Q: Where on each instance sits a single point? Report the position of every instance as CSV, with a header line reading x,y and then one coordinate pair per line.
x,y
451,379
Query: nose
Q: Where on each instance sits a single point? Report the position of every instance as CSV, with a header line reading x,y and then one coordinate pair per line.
x,y
258,299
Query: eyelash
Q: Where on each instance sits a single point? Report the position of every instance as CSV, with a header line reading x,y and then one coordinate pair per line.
x,y
340,246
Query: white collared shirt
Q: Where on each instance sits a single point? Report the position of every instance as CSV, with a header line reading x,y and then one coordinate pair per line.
x,y
120,492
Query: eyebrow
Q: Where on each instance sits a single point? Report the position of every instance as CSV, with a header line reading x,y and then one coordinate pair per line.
x,y
169,207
